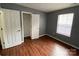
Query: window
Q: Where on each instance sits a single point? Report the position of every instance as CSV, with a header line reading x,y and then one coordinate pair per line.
x,y
64,24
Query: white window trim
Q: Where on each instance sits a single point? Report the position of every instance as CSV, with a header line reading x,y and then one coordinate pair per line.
x,y
70,28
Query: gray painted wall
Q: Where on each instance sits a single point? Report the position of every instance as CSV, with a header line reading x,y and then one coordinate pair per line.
x,y
52,24
21,8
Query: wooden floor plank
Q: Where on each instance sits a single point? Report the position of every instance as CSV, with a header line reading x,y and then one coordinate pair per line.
x,y
44,46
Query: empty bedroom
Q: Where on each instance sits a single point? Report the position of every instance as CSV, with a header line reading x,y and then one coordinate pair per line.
x,y
39,29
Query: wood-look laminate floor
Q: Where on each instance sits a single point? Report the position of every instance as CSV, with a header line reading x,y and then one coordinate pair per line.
x,y
44,46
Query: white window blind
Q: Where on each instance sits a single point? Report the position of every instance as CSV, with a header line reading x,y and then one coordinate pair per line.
x,y
64,24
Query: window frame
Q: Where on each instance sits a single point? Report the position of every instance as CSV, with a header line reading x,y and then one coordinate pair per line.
x,y
71,24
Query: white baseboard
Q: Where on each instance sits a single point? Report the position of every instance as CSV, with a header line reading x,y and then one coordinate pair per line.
x,y
42,35
63,41
39,35
27,36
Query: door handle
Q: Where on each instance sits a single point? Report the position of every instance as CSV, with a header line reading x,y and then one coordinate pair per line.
x,y
1,28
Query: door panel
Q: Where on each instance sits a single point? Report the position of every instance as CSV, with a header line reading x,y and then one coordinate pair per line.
x,y
8,28
18,29
35,26
12,28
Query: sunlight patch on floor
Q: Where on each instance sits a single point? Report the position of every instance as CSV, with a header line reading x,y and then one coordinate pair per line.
x,y
59,51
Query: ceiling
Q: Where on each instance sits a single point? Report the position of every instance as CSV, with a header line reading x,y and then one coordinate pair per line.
x,y
48,7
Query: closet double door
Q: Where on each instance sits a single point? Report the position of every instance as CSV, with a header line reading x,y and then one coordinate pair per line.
x,y
12,28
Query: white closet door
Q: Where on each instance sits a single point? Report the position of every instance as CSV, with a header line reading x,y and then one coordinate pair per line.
x,y
35,26
12,28
16,31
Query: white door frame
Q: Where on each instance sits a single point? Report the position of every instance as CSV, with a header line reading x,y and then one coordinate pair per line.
x,y
23,24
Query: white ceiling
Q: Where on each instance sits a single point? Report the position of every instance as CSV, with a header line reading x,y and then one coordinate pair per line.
x,y
48,7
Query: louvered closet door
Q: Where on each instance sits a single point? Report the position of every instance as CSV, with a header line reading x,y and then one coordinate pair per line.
x,y
12,28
